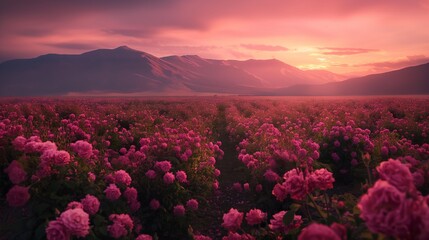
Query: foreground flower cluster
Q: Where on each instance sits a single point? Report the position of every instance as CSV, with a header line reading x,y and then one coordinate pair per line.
x,y
144,169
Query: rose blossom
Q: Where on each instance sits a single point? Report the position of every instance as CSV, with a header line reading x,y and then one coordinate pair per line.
x,y
91,177
295,185
123,219
144,237
277,224
15,172
19,143
154,204
151,174
340,230
279,191
237,236
73,205
271,176
179,210
321,179
255,217
163,166
76,221
201,237
90,204
232,220
17,196
117,230
82,148
168,178
56,231
383,209
237,187
181,176
246,187
122,177
112,192
192,204
397,174
130,194
318,231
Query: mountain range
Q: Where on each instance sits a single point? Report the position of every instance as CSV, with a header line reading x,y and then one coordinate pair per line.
x,y
127,71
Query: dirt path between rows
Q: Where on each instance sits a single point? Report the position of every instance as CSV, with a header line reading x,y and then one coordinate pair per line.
x,y
209,219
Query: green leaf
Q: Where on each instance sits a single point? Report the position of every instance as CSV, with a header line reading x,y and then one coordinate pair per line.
x,y
288,217
295,207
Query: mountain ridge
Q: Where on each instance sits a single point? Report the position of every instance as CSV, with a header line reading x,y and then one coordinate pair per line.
x,y
126,70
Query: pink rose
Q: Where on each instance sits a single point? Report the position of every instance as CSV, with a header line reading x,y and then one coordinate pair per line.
x,y
61,158
255,217
112,192
56,231
154,204
181,176
397,174
19,143
179,210
201,237
91,177
316,231
82,148
383,209
192,204
117,230
144,237
321,179
15,172
130,194
76,221
122,177
168,178
90,204
73,205
246,187
295,185
151,174
340,230
163,166
17,196
123,219
279,191
237,187
258,188
232,220
237,236
271,176
277,224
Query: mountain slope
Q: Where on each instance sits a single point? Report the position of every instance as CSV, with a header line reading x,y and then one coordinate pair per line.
x,y
127,71
105,70
410,80
275,73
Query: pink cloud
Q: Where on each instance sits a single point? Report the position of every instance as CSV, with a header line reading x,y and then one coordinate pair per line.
x,y
263,47
345,51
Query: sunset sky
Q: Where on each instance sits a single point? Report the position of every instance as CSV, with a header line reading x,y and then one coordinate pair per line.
x,y
343,36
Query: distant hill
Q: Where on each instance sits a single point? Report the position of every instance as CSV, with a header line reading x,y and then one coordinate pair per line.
x,y
128,71
406,81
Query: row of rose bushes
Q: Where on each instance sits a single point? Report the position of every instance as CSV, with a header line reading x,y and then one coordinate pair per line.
x,y
98,170
295,151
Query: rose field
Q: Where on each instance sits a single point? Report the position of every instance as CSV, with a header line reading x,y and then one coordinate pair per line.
x,y
214,168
